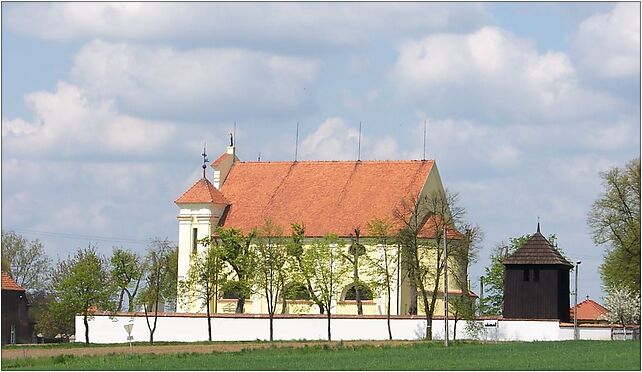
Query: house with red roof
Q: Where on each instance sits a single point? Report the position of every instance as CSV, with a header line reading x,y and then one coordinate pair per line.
x,y
17,324
325,196
589,311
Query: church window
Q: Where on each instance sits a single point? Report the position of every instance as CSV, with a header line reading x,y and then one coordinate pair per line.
x,y
536,275
526,275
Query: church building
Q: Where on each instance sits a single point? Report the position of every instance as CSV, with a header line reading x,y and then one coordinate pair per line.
x,y
325,196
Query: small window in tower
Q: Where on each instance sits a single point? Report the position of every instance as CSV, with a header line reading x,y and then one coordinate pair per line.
x,y
526,275
194,239
536,275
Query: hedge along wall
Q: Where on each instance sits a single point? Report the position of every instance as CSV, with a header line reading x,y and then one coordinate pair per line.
x,y
249,327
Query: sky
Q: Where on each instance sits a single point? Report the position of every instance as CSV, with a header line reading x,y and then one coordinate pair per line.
x,y
106,107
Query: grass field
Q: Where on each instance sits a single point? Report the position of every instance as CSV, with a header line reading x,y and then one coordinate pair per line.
x,y
565,355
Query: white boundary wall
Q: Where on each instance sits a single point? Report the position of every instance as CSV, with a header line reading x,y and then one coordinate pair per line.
x,y
103,329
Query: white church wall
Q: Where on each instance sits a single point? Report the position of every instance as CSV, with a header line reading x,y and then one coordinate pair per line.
x,y
103,329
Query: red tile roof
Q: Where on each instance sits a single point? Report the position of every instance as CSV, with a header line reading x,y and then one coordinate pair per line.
x,y
220,160
202,192
589,310
9,284
327,196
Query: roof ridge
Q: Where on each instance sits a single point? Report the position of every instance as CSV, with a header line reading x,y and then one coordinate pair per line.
x,y
189,188
8,283
335,161
537,250
215,196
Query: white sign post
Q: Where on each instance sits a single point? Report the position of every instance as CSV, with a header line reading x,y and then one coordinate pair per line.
x,y
128,328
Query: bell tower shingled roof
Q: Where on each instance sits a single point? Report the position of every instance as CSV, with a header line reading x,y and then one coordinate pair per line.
x,y
536,250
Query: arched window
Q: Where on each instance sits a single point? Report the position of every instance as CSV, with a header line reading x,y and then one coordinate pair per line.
x,y
297,291
364,290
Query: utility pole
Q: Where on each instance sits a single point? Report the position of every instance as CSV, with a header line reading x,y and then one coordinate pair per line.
x,y
481,293
445,286
575,329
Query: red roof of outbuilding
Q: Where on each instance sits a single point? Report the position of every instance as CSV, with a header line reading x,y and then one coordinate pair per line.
x,y
589,310
327,196
202,192
9,284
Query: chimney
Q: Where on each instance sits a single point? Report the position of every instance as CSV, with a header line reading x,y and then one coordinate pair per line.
x,y
223,164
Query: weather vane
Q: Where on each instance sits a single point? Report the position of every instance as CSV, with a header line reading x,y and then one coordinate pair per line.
x,y
204,160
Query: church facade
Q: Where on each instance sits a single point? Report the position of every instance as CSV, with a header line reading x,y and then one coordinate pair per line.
x,y
327,197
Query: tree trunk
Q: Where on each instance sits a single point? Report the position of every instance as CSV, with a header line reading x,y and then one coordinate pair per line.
x,y
130,296
284,307
120,300
130,304
84,318
329,333
412,310
357,287
455,329
240,305
209,323
271,326
388,316
428,310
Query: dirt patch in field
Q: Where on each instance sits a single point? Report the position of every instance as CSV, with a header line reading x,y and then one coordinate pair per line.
x,y
35,352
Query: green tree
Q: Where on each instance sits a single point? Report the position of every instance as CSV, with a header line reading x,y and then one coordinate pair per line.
x,y
86,288
25,261
614,220
295,250
207,271
356,250
492,302
46,323
156,273
271,270
127,271
324,262
384,267
422,258
170,286
461,307
237,251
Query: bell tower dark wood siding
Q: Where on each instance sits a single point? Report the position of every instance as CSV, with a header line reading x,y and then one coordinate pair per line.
x,y
536,282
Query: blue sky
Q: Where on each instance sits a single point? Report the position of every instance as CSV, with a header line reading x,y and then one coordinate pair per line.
x,y
105,107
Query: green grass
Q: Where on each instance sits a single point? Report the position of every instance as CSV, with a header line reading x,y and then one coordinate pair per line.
x,y
564,355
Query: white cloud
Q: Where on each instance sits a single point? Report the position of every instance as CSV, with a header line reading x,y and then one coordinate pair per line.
x,y
333,140
67,124
164,81
608,44
494,75
622,134
298,23
467,145
384,148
